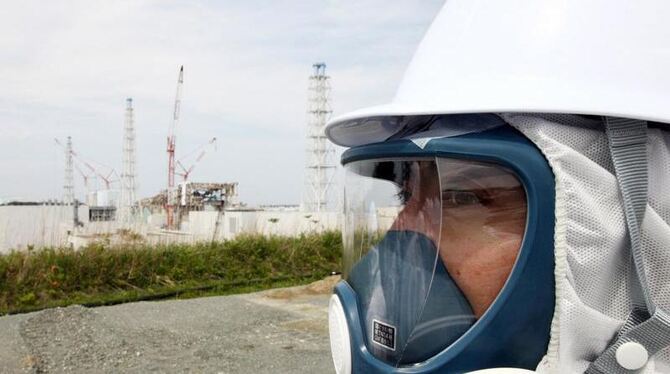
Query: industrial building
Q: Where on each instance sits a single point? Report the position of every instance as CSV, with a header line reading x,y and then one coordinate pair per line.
x,y
184,211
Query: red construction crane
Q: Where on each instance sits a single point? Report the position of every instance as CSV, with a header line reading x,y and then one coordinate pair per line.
x,y
170,203
186,172
85,177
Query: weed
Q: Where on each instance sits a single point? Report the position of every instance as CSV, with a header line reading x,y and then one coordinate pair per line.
x,y
102,273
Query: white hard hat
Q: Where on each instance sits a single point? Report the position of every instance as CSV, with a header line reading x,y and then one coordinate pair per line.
x,y
571,56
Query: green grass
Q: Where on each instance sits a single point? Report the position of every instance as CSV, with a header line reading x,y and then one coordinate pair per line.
x,y
103,275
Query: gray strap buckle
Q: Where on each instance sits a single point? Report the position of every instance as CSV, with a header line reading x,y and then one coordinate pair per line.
x,y
647,329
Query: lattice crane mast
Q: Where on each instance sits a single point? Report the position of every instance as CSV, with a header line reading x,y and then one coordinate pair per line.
x,y
170,203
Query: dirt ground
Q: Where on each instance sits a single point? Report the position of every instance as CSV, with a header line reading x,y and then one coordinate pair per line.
x,y
275,331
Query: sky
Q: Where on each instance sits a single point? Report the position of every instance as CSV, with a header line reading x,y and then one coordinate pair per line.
x,y
66,69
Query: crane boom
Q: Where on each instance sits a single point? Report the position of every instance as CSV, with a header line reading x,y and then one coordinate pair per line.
x,y
107,179
170,203
186,172
177,103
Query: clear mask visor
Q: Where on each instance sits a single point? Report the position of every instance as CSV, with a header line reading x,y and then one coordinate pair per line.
x,y
428,245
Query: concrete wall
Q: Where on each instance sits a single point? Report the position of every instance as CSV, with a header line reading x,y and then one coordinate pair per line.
x,y
36,225
203,225
41,226
295,222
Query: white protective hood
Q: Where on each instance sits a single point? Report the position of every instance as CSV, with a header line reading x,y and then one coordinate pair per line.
x,y
592,248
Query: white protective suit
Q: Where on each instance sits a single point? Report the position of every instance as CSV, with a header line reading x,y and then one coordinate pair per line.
x,y
592,248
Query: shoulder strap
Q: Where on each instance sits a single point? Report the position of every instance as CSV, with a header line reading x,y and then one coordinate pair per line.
x,y
647,329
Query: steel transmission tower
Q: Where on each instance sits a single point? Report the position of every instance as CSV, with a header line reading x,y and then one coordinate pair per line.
x,y
128,182
319,168
68,187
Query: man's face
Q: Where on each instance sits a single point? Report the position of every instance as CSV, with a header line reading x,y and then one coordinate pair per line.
x,y
482,230
483,210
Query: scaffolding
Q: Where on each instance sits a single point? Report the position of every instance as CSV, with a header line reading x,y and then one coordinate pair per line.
x,y
68,187
319,167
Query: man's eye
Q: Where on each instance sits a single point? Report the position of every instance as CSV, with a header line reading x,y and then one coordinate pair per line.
x,y
459,198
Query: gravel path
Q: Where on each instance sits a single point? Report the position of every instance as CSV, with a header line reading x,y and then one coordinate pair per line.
x,y
277,331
